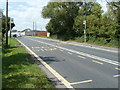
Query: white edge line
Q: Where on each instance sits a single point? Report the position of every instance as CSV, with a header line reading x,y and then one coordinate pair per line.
x,y
117,68
81,45
56,74
95,48
116,75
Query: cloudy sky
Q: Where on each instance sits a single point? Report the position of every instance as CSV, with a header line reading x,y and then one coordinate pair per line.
x,y
25,12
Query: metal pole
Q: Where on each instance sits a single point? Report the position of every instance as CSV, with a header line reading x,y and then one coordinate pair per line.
x,y
6,22
10,27
33,25
85,32
84,22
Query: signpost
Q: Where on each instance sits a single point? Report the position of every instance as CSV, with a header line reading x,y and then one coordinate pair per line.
x,y
11,21
84,22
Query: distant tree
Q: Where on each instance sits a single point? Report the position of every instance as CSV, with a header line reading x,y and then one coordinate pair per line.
x,y
14,30
114,10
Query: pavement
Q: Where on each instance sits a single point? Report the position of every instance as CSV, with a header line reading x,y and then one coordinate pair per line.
x,y
76,65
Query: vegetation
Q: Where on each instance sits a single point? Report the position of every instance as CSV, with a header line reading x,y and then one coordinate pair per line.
x,y
4,25
19,71
66,21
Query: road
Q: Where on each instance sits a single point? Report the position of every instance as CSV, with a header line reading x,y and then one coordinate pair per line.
x,y
80,66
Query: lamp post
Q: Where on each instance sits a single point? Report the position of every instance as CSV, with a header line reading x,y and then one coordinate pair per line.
x,y
6,22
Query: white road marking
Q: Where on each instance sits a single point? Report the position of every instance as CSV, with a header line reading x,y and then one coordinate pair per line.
x,y
55,48
117,68
86,81
81,57
42,49
69,53
116,75
45,50
96,62
94,47
79,45
81,53
51,49
56,74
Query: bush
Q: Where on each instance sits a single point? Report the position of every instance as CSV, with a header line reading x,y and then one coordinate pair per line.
x,y
79,39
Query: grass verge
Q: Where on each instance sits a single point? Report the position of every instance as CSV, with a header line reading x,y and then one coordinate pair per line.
x,y
19,71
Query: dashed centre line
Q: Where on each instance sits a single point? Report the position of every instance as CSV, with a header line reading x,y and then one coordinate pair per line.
x,y
81,57
69,53
86,81
116,75
82,53
117,68
42,49
97,62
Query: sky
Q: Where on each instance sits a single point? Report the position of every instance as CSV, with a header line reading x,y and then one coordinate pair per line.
x,y
25,12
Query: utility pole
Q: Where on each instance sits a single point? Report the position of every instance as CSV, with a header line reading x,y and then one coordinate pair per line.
x,y
33,25
10,27
6,22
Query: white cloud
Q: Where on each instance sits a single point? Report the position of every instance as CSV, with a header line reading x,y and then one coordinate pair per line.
x,y
103,4
24,15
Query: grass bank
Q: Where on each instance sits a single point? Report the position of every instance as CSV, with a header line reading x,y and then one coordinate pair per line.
x,y
99,41
19,71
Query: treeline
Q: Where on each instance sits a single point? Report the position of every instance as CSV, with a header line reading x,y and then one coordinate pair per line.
x,y
66,21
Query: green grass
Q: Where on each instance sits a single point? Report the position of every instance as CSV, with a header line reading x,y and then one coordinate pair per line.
x,y
19,71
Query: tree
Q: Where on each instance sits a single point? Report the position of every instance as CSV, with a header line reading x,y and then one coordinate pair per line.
x,y
61,16
114,10
4,27
91,12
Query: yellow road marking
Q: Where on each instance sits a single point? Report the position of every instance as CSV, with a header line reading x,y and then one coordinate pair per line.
x,y
117,68
81,57
86,81
56,74
116,75
97,62
69,52
51,49
54,49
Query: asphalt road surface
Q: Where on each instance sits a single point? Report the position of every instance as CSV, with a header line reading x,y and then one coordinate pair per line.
x,y
81,66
